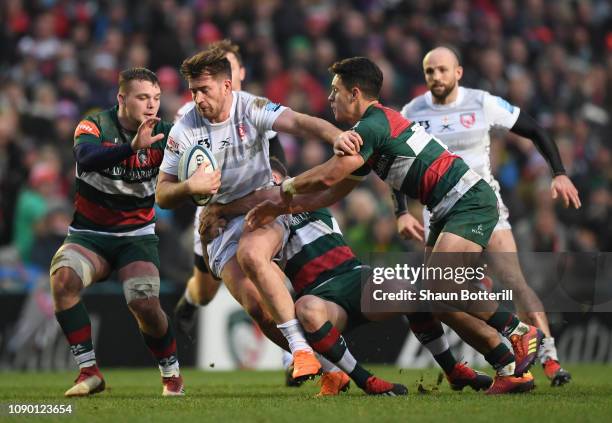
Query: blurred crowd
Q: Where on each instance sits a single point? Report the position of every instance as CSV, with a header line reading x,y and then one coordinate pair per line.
x,y
59,60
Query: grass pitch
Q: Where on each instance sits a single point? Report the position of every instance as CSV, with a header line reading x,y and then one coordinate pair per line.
x,y
134,395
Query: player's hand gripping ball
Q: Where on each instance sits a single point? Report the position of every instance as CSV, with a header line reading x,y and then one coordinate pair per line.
x,y
189,162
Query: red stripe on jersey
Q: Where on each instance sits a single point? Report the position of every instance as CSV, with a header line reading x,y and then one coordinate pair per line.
x,y
104,216
86,127
397,122
311,270
434,172
166,352
323,345
80,335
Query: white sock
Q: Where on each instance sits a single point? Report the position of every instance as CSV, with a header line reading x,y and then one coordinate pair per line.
x,y
188,298
507,370
521,329
548,350
169,367
292,331
87,359
287,360
327,365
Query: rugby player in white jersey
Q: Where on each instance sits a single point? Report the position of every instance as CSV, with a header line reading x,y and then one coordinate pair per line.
x,y
461,118
202,287
233,125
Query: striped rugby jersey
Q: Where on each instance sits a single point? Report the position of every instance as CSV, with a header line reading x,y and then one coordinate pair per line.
x,y
412,161
465,124
240,144
315,250
118,200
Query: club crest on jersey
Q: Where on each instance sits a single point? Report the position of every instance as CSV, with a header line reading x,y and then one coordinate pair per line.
x,y
467,119
241,132
142,157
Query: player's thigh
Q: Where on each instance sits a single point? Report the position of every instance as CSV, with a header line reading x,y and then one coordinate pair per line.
x,y
86,263
242,289
264,242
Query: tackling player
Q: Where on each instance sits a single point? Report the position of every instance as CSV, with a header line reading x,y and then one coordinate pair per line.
x,y
417,164
461,118
326,277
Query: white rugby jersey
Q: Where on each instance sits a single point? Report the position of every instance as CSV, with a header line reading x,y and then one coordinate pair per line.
x,y
240,144
464,125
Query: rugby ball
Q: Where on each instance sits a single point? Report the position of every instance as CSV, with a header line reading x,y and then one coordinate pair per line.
x,y
190,160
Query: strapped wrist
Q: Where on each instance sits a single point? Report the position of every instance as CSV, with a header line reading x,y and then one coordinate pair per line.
x,y
288,188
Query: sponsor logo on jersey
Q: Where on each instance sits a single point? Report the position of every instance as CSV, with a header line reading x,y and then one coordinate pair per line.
x,y
172,145
205,142
503,103
467,119
424,123
86,127
272,107
225,143
446,125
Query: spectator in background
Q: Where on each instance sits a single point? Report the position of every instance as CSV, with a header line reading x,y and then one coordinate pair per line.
x,y
32,206
562,50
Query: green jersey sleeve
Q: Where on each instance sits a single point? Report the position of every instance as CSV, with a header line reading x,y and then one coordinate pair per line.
x,y
87,131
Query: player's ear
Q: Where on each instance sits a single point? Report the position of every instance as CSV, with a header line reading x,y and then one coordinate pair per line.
x,y
120,99
459,72
354,93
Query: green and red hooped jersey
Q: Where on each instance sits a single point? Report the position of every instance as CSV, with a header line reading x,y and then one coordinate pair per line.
x,y
117,200
315,250
412,161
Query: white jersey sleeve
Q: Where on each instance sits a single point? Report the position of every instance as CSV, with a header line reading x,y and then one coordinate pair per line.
x,y
176,144
183,110
498,112
262,112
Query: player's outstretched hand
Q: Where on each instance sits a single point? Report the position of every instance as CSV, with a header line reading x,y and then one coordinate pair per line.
x,y
203,182
143,138
409,227
563,187
264,213
210,232
347,143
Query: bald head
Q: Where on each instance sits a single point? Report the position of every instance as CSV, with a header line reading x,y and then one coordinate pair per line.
x,y
442,74
442,54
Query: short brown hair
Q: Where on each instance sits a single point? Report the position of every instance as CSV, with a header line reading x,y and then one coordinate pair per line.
x,y
228,47
359,72
136,74
211,61
278,166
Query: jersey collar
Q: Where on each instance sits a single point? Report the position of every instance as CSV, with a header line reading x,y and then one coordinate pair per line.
x,y
460,97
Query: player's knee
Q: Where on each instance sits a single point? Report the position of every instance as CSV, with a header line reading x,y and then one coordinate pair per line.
x,y
65,283
250,259
310,311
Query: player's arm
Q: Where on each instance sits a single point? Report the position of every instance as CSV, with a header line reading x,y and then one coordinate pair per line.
x,y
90,155
562,186
267,211
170,192
408,226
305,126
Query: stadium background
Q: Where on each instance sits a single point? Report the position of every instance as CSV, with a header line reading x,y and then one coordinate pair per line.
x,y
59,60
